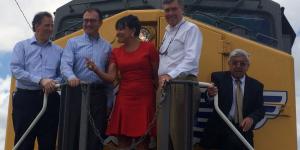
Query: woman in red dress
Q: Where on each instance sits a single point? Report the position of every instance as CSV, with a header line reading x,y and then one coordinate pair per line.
x,y
137,63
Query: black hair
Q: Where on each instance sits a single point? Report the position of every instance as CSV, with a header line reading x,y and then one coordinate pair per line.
x,y
38,18
130,21
95,10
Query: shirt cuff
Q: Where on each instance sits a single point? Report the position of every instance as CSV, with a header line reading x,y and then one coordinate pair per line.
x,y
36,79
71,77
58,80
173,74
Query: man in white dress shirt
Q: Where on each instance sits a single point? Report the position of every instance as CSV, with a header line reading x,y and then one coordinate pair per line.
x,y
179,59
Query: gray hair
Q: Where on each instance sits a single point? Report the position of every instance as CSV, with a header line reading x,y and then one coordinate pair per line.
x,y
239,52
171,1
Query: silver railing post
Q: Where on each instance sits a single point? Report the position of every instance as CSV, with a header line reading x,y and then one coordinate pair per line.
x,y
189,92
85,106
164,118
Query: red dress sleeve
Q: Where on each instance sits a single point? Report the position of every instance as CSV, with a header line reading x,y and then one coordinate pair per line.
x,y
112,57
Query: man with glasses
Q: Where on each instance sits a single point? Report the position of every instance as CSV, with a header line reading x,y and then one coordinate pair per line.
x,y
35,65
87,47
240,98
179,59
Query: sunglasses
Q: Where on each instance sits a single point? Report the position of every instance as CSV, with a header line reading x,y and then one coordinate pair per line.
x,y
165,52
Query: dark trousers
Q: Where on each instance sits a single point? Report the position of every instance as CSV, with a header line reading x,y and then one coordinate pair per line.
x,y
220,136
71,114
26,106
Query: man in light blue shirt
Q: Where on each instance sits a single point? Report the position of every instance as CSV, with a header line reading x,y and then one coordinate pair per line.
x,y
89,46
35,65
76,52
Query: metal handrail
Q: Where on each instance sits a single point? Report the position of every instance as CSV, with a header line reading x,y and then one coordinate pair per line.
x,y
225,119
34,122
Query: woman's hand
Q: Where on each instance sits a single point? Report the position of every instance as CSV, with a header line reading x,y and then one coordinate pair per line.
x,y
108,76
90,64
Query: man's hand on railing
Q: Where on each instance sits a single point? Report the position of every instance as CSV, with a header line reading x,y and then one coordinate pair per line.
x,y
212,90
162,79
48,85
74,82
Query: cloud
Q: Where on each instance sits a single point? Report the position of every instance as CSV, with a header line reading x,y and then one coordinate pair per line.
x,y
13,26
296,55
291,11
4,99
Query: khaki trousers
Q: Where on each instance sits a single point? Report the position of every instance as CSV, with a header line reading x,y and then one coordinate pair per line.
x,y
172,123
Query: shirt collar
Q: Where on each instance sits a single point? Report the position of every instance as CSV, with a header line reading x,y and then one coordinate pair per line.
x,y
170,28
242,79
33,40
89,38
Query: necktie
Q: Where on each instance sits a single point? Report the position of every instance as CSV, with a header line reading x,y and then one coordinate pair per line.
x,y
239,103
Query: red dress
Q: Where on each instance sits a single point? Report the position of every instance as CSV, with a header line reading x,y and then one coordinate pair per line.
x,y
135,102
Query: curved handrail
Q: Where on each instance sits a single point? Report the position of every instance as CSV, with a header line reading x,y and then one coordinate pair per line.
x,y
34,122
225,119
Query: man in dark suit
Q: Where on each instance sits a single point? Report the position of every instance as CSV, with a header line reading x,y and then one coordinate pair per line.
x,y
240,99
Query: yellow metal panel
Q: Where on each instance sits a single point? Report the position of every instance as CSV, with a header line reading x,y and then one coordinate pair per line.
x,y
10,135
211,53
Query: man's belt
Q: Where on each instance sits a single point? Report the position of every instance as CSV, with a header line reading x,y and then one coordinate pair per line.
x,y
28,91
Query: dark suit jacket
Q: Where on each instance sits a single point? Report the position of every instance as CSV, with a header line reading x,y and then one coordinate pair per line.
x,y
253,96
216,132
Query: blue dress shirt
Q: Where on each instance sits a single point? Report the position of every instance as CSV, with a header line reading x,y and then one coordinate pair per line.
x,y
74,54
32,61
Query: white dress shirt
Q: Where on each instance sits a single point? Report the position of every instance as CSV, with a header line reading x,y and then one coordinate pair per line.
x,y
183,45
233,106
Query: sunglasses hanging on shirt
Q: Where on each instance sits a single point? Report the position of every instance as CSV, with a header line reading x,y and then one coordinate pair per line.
x,y
165,52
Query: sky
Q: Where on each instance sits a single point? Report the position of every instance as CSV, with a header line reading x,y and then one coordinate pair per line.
x,y
13,28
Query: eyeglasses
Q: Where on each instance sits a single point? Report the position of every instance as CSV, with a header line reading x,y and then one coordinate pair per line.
x,y
90,20
165,52
241,63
